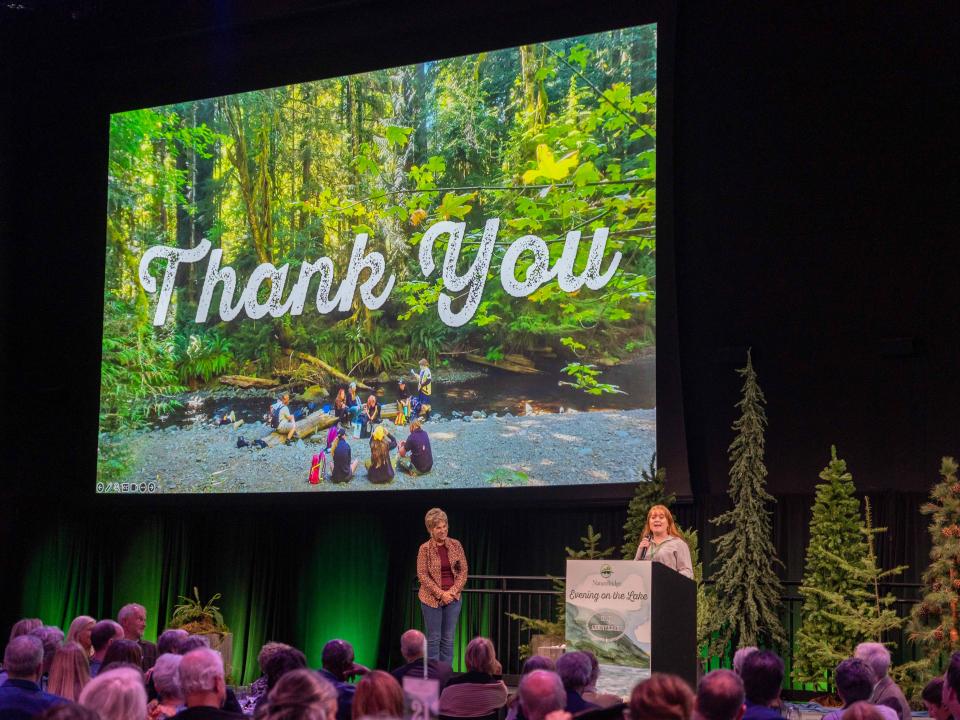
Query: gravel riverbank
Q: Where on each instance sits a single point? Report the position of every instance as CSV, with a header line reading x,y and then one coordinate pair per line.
x,y
538,450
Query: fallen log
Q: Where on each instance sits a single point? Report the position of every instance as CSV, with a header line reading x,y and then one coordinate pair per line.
x,y
249,381
525,368
318,421
328,368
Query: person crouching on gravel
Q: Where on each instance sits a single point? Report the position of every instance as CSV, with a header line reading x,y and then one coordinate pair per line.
x,y
417,448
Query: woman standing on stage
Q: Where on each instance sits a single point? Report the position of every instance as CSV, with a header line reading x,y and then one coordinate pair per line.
x,y
442,571
662,542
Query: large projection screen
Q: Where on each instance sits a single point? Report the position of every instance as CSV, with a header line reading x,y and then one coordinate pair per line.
x,y
482,227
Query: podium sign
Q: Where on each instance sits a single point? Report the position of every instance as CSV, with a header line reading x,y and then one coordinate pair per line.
x,y
608,612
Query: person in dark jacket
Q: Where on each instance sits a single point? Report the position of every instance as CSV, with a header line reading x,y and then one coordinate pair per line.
x,y
417,448
380,466
343,464
20,695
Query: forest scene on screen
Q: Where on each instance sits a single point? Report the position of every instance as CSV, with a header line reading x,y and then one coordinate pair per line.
x,y
481,228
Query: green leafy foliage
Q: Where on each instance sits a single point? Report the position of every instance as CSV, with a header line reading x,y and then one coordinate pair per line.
x,y
585,377
196,616
202,356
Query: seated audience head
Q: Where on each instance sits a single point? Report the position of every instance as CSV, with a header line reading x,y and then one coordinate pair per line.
x,y
337,658
762,675
166,677
541,693
538,662
951,685
574,670
193,642
67,711
201,678
102,635
740,655
932,697
169,641
854,681
480,656
378,695
133,620
116,694
412,643
662,697
52,639
876,656
861,710
268,650
594,668
24,626
23,658
69,672
123,651
720,696
80,630
301,695
281,662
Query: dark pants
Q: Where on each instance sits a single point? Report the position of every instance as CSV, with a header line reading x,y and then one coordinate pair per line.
x,y
441,625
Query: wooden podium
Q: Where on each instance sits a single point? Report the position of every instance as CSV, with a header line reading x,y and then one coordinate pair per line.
x,y
673,619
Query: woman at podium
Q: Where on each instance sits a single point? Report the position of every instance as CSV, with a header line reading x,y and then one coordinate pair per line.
x,y
661,542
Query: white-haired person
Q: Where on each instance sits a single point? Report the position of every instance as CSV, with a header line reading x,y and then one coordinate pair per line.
x,y
20,694
133,619
885,690
442,571
116,694
204,686
166,681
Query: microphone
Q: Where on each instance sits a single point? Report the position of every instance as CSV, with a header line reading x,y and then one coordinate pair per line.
x,y
643,553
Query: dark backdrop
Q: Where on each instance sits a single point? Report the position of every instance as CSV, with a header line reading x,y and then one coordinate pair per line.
x,y
814,203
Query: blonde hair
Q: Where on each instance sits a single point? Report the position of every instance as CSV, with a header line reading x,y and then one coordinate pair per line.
x,y
671,525
379,453
69,672
481,656
78,625
300,695
116,694
434,517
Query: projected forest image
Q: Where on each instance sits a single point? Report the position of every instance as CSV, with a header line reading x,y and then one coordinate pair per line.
x,y
482,228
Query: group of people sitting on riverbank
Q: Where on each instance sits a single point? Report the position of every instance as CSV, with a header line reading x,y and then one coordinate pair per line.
x,y
106,671
416,455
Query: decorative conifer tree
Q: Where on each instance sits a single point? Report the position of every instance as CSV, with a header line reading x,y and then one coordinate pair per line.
x,y
835,531
934,623
747,587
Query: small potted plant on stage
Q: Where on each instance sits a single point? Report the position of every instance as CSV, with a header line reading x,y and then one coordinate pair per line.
x,y
199,618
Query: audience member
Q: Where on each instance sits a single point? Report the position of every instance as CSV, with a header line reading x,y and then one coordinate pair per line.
x,y
575,670
740,655
122,651
877,658
69,672
590,693
338,667
259,687
301,695
116,694
932,697
20,696
203,686
854,681
286,659
169,641
133,619
541,693
165,675
662,697
534,662
762,674
720,696
67,711
101,637
52,638
24,626
378,696
477,691
951,686
192,642
862,710
79,632
412,645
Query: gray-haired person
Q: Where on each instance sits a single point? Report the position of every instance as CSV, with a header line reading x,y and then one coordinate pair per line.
x,y
541,693
574,669
885,691
203,685
20,695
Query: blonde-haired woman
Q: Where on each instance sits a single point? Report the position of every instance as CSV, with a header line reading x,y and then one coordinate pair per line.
x,y
79,632
442,571
69,672
662,542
